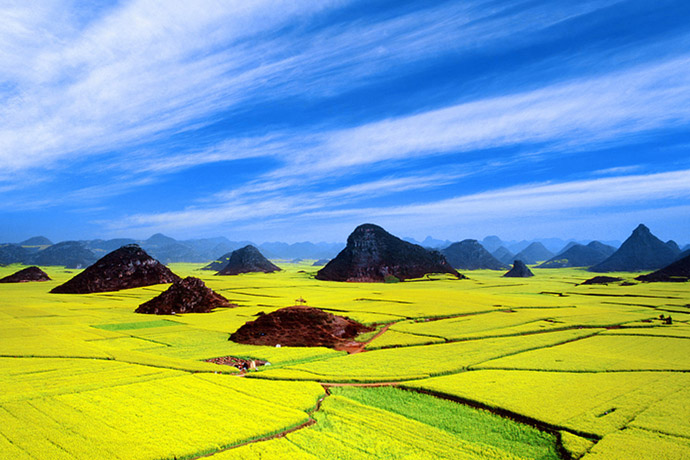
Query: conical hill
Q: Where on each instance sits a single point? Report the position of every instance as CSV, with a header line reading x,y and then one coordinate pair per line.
x,y
641,251
519,270
470,255
247,260
125,268
374,255
189,295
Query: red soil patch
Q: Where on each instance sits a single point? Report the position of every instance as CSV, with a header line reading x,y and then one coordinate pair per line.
x,y
300,326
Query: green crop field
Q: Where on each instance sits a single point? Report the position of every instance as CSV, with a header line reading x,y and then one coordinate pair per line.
x,y
489,367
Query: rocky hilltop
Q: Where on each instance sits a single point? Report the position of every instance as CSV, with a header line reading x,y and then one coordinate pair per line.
x,y
374,255
641,251
189,295
26,275
579,255
125,268
247,260
470,255
519,270
299,326
678,271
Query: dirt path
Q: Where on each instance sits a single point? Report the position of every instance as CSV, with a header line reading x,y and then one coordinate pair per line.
x,y
359,347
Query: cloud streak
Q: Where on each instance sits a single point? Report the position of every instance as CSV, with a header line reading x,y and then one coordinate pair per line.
x,y
83,92
585,112
536,201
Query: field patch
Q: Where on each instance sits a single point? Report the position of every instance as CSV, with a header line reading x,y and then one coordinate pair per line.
x,y
604,353
467,423
632,444
348,429
417,362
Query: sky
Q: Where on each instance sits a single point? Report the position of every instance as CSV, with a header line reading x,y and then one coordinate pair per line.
x,y
299,120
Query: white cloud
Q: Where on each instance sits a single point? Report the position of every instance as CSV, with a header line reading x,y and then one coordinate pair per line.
x,y
538,202
149,68
571,115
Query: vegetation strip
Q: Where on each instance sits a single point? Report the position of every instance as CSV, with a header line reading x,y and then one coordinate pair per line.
x,y
539,424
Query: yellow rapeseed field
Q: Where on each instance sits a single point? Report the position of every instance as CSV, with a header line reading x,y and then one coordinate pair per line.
x,y
84,377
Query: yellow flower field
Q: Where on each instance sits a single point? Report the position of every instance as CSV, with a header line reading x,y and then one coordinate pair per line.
x,y
592,367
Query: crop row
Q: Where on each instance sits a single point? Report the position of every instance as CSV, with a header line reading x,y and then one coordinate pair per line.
x,y
418,362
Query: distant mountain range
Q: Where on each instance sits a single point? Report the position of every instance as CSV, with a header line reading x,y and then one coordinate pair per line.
x,y
79,254
39,250
579,255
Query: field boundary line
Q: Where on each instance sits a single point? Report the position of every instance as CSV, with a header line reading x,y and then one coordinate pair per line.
x,y
577,371
280,434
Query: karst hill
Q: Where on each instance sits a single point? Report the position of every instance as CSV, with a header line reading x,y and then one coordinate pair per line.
x,y
519,270
125,268
374,255
247,260
471,255
579,255
641,251
188,295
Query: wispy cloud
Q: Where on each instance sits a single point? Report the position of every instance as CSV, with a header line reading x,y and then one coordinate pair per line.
x,y
567,116
85,91
262,202
535,201
585,113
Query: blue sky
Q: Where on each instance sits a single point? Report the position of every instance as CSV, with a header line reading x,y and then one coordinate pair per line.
x,y
298,120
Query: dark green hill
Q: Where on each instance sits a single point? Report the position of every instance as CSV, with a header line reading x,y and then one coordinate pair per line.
x,y
641,251
535,252
470,255
71,254
579,255
519,270
678,271
12,254
503,255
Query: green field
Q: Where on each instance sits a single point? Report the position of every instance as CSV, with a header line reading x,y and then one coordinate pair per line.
x,y
490,367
